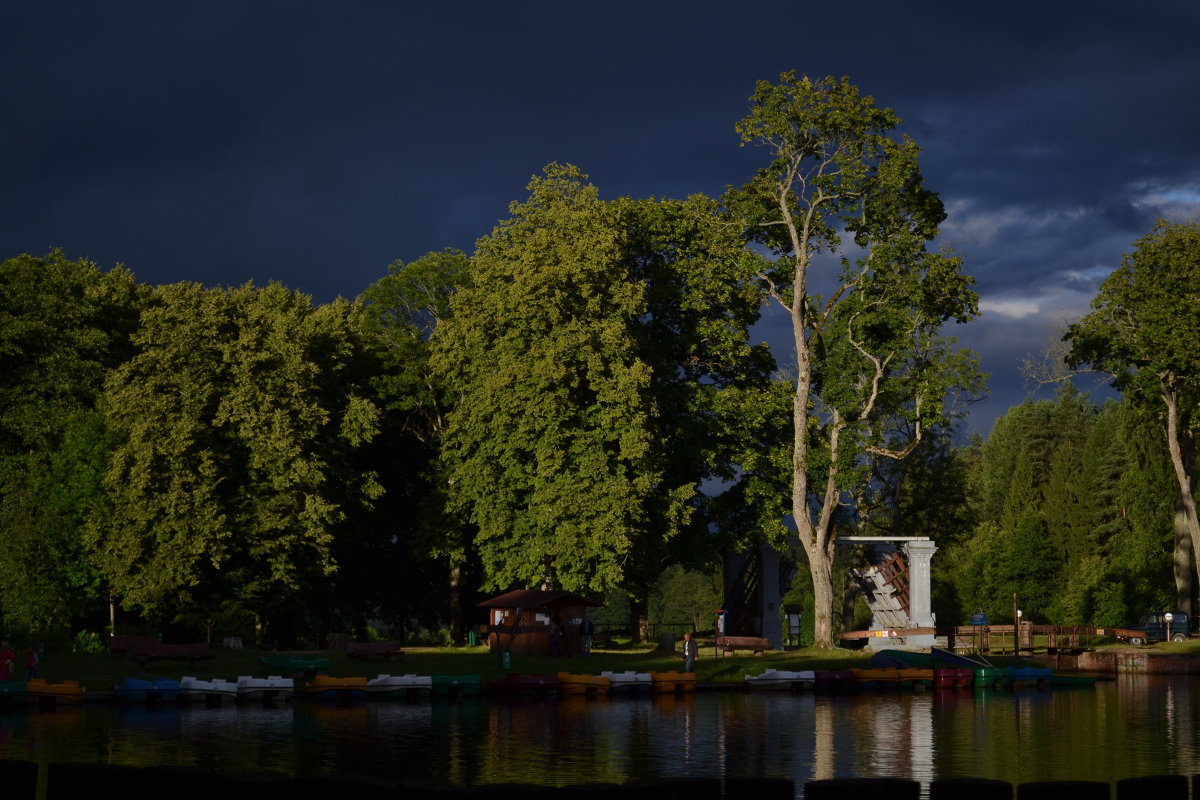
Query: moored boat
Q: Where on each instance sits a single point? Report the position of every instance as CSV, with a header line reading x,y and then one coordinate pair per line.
x,y
782,680
953,678
343,690
833,680
672,682
400,687
571,683
627,682
266,690
141,690
212,692
514,684
457,685
56,693
993,678
1031,677
293,664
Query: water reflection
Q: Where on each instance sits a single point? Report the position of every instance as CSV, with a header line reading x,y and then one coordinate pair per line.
x,y
1136,725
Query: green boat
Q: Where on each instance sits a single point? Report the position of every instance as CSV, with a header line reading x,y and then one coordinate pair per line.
x,y
457,685
993,678
290,665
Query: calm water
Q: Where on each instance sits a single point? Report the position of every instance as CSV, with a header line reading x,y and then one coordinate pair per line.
x,y
1135,725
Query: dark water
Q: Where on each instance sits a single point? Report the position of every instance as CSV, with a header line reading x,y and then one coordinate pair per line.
x,y
1135,725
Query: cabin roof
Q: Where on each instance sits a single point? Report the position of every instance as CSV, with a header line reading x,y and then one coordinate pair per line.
x,y
534,598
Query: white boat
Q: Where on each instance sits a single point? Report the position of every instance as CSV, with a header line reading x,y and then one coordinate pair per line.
x,y
274,687
783,679
627,681
400,685
214,691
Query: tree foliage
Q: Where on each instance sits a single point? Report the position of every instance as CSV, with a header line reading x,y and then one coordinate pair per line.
x,y
1144,329
842,207
235,417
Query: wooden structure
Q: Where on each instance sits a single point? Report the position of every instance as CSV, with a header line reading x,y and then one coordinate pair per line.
x,y
520,621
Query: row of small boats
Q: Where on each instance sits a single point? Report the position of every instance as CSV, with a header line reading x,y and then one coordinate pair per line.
x,y
917,678
249,689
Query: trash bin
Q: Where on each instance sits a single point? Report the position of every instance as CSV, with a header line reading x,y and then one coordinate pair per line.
x,y
506,659
471,640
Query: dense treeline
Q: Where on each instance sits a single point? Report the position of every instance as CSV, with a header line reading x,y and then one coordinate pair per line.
x,y
579,404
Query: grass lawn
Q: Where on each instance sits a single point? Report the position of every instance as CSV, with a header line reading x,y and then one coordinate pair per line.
x,y
100,672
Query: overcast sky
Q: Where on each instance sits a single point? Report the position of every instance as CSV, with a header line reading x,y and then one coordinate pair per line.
x,y
316,143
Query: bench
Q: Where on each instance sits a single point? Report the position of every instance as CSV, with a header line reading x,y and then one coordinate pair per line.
x,y
364,650
123,643
755,643
170,652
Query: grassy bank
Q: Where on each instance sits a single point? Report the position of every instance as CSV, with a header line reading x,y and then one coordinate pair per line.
x,y
102,671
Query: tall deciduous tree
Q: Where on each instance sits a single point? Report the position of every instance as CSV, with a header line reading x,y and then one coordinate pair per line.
x,y
843,207
235,417
599,356
1144,329
63,325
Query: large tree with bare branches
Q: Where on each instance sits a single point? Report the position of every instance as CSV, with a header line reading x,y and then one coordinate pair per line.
x,y
842,208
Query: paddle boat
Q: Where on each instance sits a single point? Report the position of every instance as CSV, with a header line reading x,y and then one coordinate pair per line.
x,y
449,686
782,680
627,682
570,683
295,664
213,692
13,693
1031,677
264,690
513,684
49,694
833,680
400,687
672,682
140,690
953,678
342,690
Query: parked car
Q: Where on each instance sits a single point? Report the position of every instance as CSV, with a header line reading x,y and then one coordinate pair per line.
x,y
1155,627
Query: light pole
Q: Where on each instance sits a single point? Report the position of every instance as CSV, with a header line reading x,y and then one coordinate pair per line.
x,y
1168,617
1020,613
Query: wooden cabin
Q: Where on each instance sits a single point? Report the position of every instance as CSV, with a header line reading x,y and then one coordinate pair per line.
x,y
520,621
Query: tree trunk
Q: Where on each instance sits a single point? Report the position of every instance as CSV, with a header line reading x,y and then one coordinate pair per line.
x,y
639,618
1182,449
820,567
456,630
1182,561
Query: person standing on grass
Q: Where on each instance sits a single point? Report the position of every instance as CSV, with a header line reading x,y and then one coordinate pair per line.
x,y
690,652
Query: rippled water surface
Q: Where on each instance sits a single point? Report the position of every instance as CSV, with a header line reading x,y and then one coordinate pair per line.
x,y
1135,725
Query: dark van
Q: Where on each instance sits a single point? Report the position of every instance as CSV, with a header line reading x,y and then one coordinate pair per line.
x,y
1154,627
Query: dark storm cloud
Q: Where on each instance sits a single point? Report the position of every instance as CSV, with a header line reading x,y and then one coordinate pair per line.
x,y
314,143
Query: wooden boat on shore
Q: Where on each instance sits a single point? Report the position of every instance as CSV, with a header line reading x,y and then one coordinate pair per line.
x,y
48,694
782,680
581,685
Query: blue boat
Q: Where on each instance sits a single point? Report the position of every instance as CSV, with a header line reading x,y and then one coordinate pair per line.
x,y
140,690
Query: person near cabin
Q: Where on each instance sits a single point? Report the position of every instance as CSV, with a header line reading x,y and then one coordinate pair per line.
x,y
586,631
7,659
690,653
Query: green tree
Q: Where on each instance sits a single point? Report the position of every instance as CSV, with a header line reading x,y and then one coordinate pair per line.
x,y
406,307
843,208
234,418
599,357
64,325
1144,329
